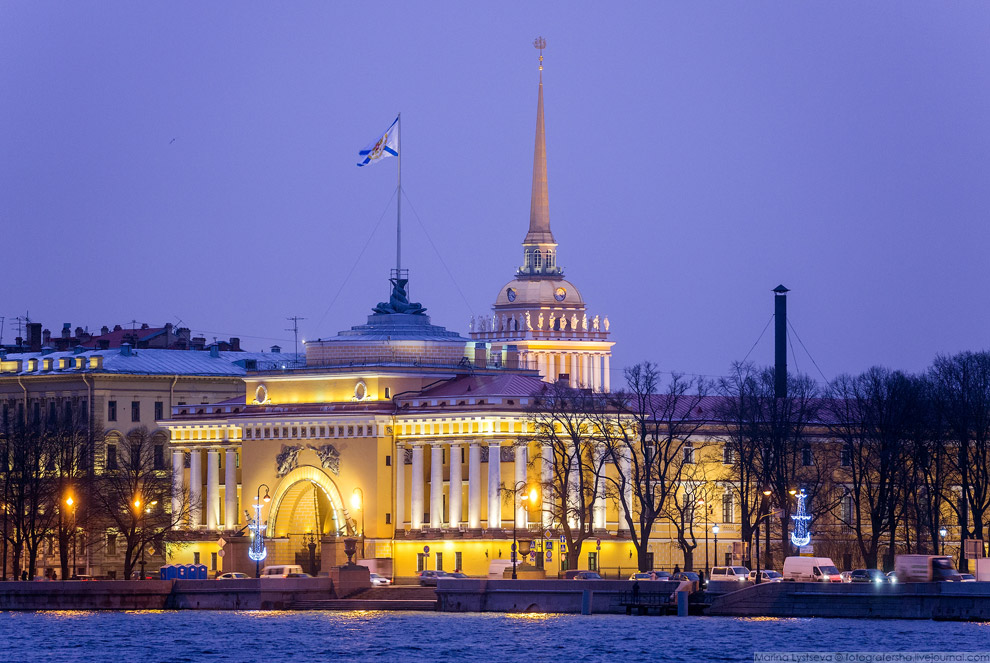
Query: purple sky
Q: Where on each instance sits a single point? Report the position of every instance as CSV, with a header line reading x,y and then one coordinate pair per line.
x,y
699,154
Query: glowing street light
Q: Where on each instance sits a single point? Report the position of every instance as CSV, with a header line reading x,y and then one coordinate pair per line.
x,y
357,501
943,532
525,497
257,550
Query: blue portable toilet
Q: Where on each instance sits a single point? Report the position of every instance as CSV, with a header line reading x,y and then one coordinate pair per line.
x,y
168,572
199,572
181,572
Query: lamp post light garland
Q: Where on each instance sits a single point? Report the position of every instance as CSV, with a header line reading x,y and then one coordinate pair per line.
x,y
801,536
257,550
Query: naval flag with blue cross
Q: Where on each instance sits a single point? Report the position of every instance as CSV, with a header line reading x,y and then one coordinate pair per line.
x,y
386,145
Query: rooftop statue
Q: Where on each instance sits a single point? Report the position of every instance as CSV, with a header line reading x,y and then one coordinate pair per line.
x,y
399,301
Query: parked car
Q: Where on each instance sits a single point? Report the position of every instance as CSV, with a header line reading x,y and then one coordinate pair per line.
x,y
686,576
280,571
875,576
967,577
650,575
766,575
723,573
458,574
846,575
892,577
429,578
233,575
586,575
379,581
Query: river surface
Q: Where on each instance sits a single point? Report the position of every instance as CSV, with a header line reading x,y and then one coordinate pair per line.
x,y
278,637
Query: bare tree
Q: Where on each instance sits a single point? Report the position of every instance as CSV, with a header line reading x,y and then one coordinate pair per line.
x,y
134,496
68,444
650,433
961,395
565,429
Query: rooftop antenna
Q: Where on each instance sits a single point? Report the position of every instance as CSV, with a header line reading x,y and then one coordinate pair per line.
x,y
295,333
21,321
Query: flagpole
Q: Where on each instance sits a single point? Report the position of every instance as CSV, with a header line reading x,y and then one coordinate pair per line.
x,y
398,209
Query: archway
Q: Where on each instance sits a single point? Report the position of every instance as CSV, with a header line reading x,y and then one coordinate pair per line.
x,y
307,500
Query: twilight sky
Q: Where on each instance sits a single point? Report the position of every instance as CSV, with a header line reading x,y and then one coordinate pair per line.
x,y
195,162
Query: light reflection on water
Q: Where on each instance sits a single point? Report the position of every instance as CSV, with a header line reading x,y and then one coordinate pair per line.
x,y
267,636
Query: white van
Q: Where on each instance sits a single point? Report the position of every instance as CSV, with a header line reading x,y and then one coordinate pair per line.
x,y
811,569
721,573
280,570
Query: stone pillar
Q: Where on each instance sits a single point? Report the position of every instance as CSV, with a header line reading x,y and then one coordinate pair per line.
x,y
436,485
212,489
178,491
625,468
541,364
416,496
596,372
552,367
607,384
598,504
574,497
474,486
454,491
546,478
519,487
494,483
399,465
195,487
575,376
230,489
586,371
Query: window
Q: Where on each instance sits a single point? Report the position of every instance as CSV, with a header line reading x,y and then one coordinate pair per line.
x,y
847,509
388,461
51,412
845,458
727,457
388,518
111,544
457,561
68,411
728,508
537,259
439,561
159,456
135,456
593,561
111,410
111,456
159,410
37,413
387,393
213,561
195,558
420,562
688,453
807,459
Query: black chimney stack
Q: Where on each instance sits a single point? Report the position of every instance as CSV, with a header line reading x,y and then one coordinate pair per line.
x,y
780,342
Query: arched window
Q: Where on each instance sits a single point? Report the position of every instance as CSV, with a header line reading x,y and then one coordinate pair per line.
x,y
537,259
549,258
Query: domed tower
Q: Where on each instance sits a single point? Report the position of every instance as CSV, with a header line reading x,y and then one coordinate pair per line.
x,y
539,319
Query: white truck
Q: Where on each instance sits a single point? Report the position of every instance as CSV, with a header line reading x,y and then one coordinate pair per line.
x,y
925,568
811,569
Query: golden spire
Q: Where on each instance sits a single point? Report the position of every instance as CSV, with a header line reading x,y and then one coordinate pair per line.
x,y
539,210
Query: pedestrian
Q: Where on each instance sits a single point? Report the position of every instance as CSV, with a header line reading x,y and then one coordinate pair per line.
x,y
636,592
24,576
677,568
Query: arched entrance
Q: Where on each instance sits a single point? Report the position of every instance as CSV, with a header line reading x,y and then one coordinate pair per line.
x,y
307,510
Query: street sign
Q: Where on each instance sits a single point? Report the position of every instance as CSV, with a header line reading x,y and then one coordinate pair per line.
x,y
598,544
563,539
532,555
512,547
548,534
220,552
221,542
563,548
549,556
549,546
426,549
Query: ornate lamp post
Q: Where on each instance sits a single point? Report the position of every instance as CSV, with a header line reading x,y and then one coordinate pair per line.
x,y
715,532
943,532
257,551
526,497
357,501
71,503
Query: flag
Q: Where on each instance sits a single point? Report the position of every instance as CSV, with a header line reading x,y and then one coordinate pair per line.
x,y
386,145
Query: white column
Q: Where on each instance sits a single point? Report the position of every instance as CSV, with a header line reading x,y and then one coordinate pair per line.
x,y
399,465
575,376
586,371
416,506
230,489
552,367
474,486
598,504
520,485
178,469
625,469
541,364
454,492
494,483
436,485
195,487
596,372
574,497
546,478
212,489
607,385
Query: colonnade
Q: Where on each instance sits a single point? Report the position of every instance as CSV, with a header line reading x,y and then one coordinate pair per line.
x,y
212,520
589,370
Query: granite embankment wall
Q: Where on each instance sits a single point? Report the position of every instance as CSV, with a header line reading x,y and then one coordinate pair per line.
x,y
248,594
922,600
562,596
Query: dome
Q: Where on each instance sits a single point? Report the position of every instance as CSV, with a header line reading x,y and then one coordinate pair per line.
x,y
536,293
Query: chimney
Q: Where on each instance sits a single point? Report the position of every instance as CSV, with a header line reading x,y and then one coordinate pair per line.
x,y
481,354
780,342
214,350
34,336
118,328
512,356
104,330
235,344
198,342
144,325
125,349
78,349
66,330
46,337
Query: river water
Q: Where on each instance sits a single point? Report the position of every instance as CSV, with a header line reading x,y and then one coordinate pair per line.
x,y
278,637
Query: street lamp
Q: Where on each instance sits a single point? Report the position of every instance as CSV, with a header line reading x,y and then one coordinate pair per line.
x,y
71,503
257,551
760,516
526,497
357,501
715,532
707,513
943,532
